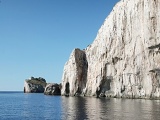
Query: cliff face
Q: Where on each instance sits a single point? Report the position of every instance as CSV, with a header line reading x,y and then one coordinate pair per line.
x,y
75,74
124,59
34,85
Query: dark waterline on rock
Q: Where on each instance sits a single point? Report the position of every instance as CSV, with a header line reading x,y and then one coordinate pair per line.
x,y
17,105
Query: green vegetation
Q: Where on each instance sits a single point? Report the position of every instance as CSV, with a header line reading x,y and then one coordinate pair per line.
x,y
37,81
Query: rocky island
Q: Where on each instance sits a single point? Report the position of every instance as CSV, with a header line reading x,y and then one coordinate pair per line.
x,y
123,60
34,85
39,85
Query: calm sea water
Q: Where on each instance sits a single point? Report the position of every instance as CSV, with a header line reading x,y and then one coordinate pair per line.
x,y
20,106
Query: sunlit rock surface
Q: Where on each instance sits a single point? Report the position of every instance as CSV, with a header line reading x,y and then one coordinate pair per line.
x,y
75,74
124,58
34,85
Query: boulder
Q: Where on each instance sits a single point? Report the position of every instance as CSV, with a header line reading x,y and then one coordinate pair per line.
x,y
52,89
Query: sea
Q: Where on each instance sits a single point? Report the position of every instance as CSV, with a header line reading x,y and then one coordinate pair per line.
x,y
36,106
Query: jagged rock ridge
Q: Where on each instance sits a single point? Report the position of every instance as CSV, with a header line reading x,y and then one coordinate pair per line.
x,y
124,59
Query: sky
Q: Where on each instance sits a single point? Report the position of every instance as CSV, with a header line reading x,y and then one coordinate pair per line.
x,y
38,36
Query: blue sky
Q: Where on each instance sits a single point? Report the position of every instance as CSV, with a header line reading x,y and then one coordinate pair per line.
x,y
38,36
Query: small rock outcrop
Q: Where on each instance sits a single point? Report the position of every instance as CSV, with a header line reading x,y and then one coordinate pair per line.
x,y
52,89
34,85
124,59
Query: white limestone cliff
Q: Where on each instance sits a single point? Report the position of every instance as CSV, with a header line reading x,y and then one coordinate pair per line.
x,y
75,74
124,58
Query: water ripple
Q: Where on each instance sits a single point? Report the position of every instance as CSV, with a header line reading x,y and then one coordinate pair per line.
x,y
21,106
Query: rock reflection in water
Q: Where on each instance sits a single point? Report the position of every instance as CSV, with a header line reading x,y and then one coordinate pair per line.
x,y
84,108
